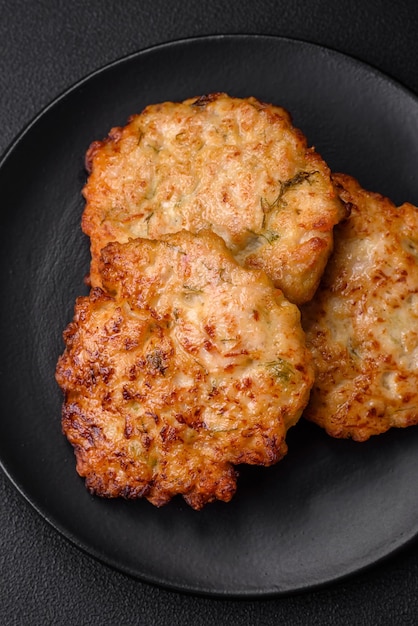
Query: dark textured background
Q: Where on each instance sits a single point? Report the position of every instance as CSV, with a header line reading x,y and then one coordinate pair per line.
x,y
45,46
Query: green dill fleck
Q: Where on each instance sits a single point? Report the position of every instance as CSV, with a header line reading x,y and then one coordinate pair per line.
x,y
352,350
411,246
156,361
285,185
269,235
266,206
280,369
222,278
300,177
201,366
176,248
189,289
147,220
213,388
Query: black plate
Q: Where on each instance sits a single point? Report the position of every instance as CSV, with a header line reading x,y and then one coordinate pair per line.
x,y
330,508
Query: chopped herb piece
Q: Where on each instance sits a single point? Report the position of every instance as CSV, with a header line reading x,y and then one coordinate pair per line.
x,y
157,361
268,235
411,246
297,179
147,220
190,289
176,248
280,369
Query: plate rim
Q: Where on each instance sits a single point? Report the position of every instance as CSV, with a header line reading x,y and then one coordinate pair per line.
x,y
4,155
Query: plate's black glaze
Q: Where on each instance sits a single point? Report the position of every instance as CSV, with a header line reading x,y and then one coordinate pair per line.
x,y
331,507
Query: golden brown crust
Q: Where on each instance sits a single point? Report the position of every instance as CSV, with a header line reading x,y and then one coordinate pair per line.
x,y
187,365
362,325
237,166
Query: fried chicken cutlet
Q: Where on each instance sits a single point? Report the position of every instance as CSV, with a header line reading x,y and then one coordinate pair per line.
x,y
236,166
362,325
184,365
